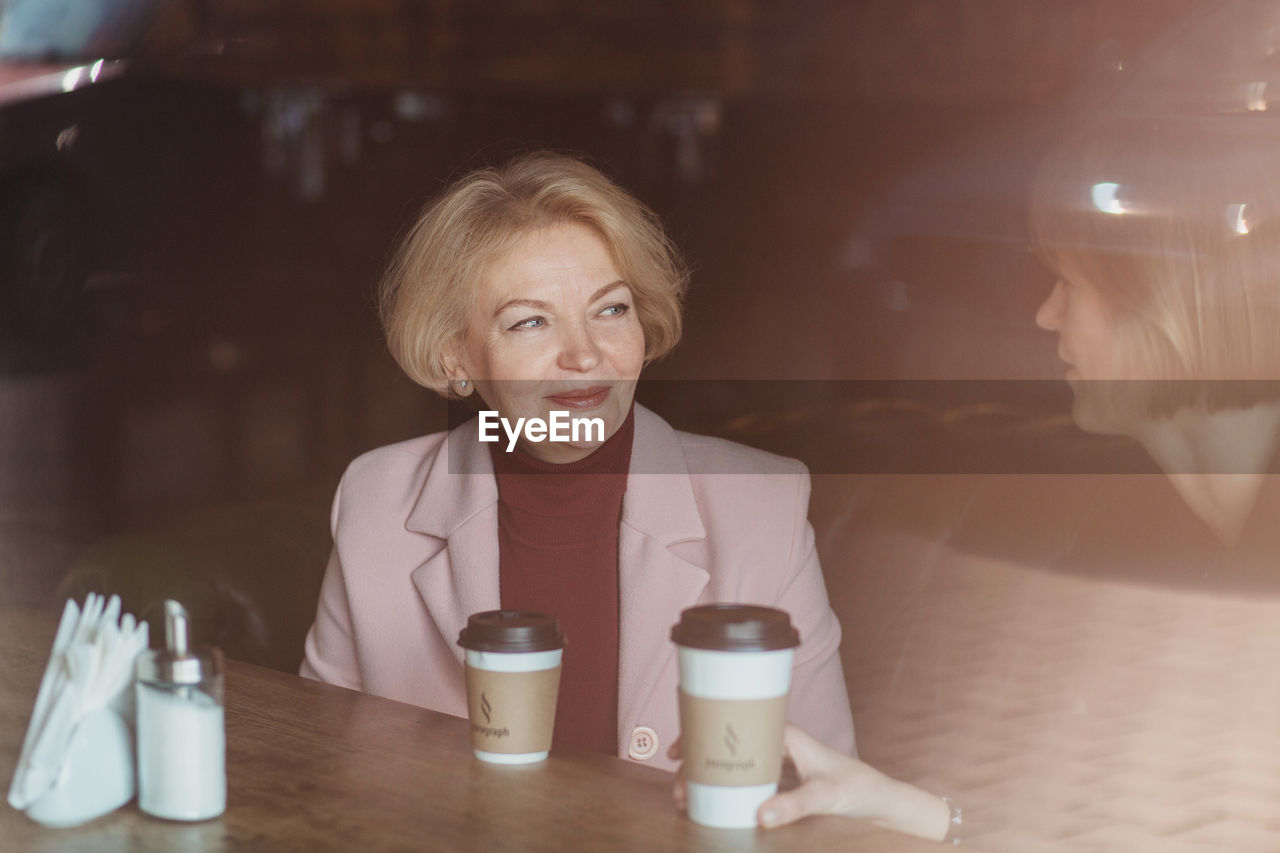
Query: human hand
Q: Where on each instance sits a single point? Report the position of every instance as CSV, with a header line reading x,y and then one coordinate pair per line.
x,y
832,783
678,792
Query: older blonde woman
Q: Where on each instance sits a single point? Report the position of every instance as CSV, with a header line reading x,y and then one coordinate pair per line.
x,y
542,287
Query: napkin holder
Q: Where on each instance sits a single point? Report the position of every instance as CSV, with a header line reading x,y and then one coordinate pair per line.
x,y
97,774
77,761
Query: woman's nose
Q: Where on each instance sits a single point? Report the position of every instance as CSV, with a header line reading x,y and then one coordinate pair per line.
x,y
578,350
1049,315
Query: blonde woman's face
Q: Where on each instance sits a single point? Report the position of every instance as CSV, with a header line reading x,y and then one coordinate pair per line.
x,y
1087,339
1092,344
554,327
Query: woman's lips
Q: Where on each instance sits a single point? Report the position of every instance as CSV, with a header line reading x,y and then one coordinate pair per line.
x,y
587,398
1072,371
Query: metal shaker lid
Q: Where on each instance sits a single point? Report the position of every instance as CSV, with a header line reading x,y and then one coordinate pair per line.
x,y
177,663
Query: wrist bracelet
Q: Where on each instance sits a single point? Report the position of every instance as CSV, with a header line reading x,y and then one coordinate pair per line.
x,y
953,828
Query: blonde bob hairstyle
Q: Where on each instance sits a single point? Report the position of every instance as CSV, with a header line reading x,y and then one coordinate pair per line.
x,y
426,295
1176,222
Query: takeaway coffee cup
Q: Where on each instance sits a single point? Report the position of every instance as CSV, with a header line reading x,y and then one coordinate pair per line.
x,y
513,677
735,671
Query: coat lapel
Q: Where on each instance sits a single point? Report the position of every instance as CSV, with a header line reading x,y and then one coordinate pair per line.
x,y
458,505
655,584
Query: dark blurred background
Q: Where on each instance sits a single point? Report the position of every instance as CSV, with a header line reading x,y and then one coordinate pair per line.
x,y
198,197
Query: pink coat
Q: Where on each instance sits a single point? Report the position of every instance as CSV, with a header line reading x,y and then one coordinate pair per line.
x,y
703,520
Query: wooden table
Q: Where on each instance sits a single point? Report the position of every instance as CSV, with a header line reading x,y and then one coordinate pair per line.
x,y
316,767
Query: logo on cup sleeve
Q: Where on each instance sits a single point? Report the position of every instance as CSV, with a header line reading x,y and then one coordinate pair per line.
x,y
732,763
486,708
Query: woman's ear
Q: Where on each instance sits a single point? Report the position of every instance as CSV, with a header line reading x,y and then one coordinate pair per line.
x,y
459,381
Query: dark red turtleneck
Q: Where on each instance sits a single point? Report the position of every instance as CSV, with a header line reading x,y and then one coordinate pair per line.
x,y
558,554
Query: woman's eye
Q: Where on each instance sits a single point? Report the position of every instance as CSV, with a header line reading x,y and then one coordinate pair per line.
x,y
531,323
616,310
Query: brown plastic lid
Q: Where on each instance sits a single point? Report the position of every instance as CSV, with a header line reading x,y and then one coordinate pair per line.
x,y
735,628
512,631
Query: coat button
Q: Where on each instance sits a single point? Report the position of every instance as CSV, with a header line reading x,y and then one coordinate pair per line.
x,y
644,743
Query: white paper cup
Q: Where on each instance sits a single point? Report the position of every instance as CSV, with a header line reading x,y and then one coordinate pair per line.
x,y
513,679
511,701
733,709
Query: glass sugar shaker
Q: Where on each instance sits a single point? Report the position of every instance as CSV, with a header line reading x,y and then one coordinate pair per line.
x,y
181,735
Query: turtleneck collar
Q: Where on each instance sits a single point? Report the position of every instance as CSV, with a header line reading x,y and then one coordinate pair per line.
x,y
570,489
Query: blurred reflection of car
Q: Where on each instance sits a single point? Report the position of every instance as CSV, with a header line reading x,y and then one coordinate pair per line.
x,y
58,58
940,255
158,134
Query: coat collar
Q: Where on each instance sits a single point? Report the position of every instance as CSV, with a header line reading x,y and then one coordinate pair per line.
x,y
659,501
459,484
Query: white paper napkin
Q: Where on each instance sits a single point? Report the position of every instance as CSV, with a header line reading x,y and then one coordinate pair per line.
x,y
90,668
